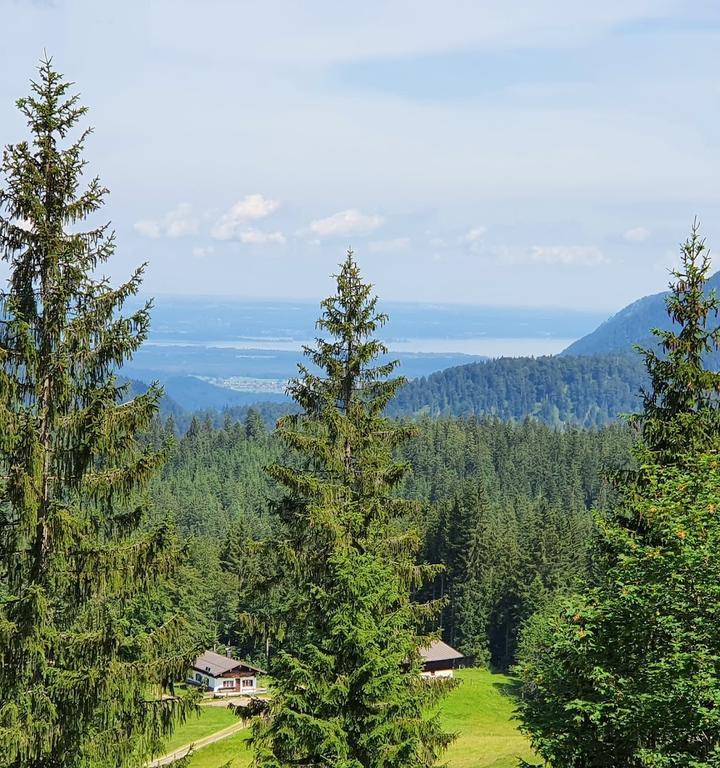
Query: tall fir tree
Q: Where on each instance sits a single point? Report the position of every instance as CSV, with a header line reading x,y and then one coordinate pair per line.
x,y
248,567
489,563
627,673
348,690
80,683
681,407
254,426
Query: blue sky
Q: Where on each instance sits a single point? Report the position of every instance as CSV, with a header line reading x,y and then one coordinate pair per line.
x,y
530,152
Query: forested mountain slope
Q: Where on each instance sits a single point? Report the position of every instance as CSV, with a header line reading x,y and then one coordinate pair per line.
x,y
514,496
594,380
584,391
559,391
631,325
168,406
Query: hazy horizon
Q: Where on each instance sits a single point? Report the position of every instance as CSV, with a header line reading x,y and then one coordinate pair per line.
x,y
317,298
506,153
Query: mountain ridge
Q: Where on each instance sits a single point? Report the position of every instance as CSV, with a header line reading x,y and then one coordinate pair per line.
x,y
582,390
632,325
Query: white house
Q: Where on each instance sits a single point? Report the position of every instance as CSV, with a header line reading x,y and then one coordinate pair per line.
x,y
440,660
223,675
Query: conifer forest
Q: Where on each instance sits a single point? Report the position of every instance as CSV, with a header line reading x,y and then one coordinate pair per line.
x,y
510,561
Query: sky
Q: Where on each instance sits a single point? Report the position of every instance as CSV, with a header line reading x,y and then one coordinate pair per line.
x,y
509,152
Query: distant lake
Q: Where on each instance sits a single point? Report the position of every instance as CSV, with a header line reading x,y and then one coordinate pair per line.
x,y
487,347
438,328
201,348
480,346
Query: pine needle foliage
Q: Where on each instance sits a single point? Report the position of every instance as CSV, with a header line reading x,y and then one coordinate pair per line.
x,y
627,673
348,691
681,407
80,684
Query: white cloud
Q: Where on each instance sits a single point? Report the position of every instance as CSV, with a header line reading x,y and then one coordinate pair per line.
x,y
566,255
148,228
254,207
563,255
179,222
258,237
349,222
233,223
473,239
474,234
389,246
25,224
637,235
202,252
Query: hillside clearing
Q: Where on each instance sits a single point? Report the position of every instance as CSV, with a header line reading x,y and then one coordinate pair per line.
x,y
479,711
209,721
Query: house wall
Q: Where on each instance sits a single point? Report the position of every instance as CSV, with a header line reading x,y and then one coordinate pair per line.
x,y
202,678
237,684
437,673
217,684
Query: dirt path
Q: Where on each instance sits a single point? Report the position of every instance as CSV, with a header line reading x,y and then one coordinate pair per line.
x,y
226,701
182,751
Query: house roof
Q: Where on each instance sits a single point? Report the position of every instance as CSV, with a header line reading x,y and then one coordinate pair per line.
x,y
439,651
217,665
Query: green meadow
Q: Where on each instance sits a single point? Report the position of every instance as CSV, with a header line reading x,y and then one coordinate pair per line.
x,y
210,720
479,711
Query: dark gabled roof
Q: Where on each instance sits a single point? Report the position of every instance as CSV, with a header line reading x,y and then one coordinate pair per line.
x,y
217,665
439,651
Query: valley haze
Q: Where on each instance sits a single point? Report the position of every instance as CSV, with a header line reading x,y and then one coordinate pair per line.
x,y
252,346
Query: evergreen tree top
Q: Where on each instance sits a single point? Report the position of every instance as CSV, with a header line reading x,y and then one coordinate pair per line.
x,y
43,177
681,407
347,352
346,441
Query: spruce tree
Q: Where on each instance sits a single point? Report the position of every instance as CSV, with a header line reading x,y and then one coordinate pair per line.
x,y
627,673
488,565
681,408
80,683
254,426
348,691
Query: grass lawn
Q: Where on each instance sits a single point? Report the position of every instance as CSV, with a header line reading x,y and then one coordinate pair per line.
x,y
479,710
210,720
232,750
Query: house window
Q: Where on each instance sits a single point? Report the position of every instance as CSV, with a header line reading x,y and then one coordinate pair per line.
x,y
198,677
248,682
228,683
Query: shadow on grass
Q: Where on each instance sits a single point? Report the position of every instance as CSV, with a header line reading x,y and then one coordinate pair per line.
x,y
507,687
